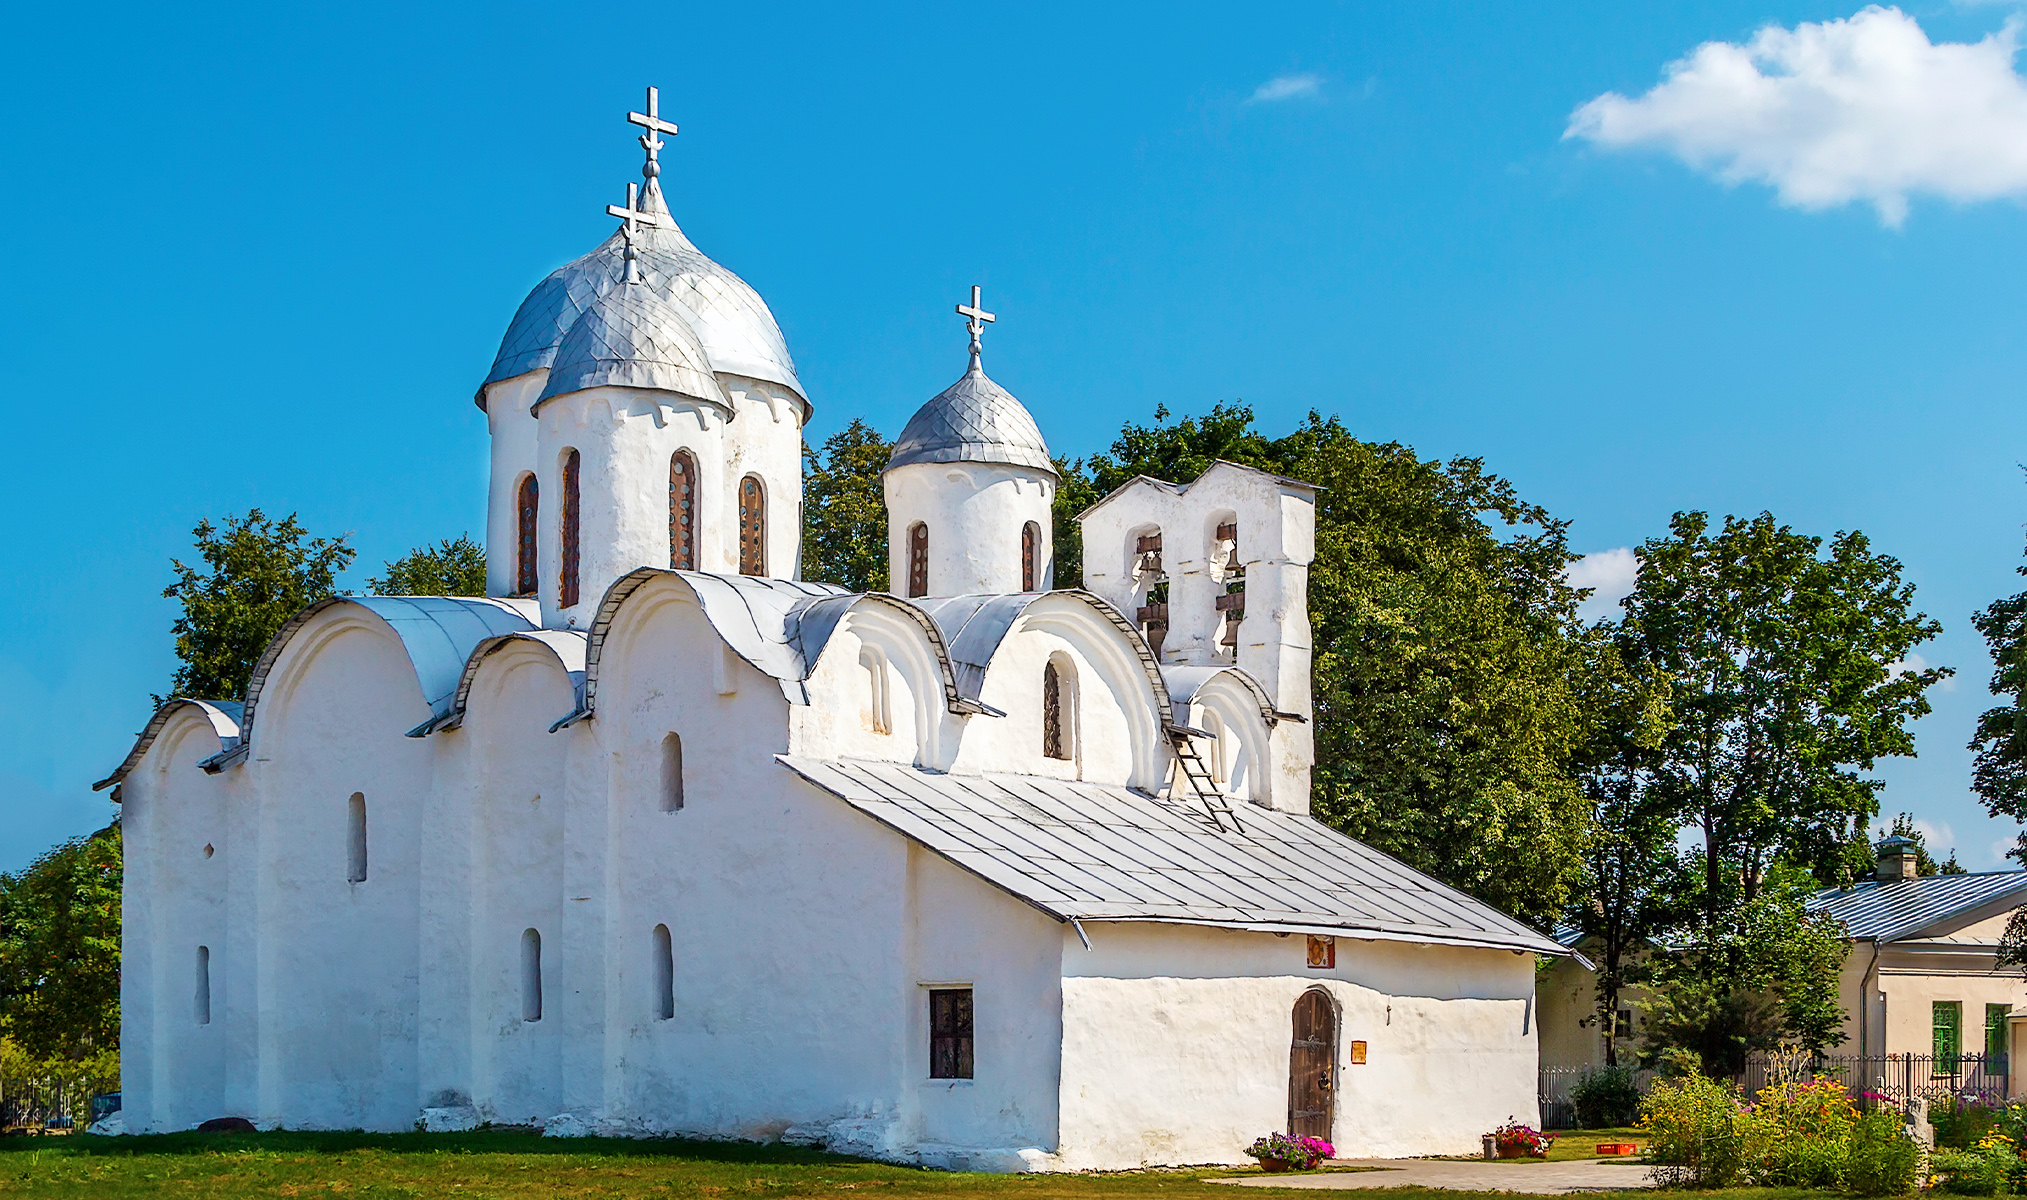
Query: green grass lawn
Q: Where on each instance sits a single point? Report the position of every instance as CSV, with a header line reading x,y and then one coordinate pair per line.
x,y
501,1165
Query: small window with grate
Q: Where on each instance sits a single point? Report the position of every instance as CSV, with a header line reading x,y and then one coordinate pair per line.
x,y
1031,547
752,527
950,1033
683,511
528,512
572,515
918,559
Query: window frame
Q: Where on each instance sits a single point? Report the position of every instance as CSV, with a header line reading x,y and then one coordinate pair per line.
x,y
918,559
753,526
528,536
953,1036
570,581
683,511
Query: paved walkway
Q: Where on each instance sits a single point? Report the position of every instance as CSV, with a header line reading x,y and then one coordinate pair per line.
x,y
1535,1179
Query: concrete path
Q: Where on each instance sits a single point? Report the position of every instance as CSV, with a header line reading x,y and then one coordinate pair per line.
x,y
1535,1179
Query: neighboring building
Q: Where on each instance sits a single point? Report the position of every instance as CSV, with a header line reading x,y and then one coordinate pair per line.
x,y
1920,980
1573,1033
656,838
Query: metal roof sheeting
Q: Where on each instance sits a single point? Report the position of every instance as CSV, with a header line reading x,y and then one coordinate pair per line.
x,y
224,716
973,420
1099,852
1885,911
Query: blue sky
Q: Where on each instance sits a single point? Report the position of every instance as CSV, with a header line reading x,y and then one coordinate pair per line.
x,y
263,256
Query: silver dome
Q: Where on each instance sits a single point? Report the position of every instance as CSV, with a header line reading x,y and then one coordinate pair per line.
x,y
632,337
973,420
737,331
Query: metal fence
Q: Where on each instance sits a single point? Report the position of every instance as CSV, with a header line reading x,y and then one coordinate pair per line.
x,y
1900,1077
1552,1089
35,1106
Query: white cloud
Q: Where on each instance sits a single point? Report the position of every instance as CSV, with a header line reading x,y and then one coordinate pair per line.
x,y
1915,662
1286,87
1611,574
1864,109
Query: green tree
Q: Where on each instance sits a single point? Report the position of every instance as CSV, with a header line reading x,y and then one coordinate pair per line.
x,y
1999,773
258,573
60,950
449,568
1448,652
1788,677
844,514
1632,876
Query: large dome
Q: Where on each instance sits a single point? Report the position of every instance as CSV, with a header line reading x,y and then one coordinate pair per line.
x,y
737,332
633,337
973,420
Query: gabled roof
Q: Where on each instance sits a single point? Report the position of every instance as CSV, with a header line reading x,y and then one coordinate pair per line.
x,y
1177,489
1099,852
1886,911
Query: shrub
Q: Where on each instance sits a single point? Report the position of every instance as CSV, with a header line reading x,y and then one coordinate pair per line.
x,y
1606,1098
1961,1123
1695,1130
1798,1134
1882,1160
1985,1170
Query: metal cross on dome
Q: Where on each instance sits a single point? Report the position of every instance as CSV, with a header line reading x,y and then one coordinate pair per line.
x,y
976,319
632,214
651,120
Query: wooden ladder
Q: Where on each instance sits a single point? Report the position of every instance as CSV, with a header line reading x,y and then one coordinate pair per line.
x,y
1216,804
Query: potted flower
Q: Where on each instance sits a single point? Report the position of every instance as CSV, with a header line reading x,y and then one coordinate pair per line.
x,y
1281,1152
1515,1140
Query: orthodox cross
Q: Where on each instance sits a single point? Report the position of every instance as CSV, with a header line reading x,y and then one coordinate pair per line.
x,y
651,121
632,214
976,319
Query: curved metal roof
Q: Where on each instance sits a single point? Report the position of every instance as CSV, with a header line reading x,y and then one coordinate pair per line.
x,y
738,332
438,632
973,420
1101,852
224,717
975,626
632,337
1185,682
567,645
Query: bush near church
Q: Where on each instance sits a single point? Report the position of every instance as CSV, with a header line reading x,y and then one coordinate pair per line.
x,y
1797,1134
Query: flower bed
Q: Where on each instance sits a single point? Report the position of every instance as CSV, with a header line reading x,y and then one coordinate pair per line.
x,y
1515,1140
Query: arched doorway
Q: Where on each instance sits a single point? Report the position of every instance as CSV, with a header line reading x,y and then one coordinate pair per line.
x,y
1312,1066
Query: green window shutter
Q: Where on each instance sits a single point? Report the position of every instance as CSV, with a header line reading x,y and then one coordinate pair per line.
x,y
1995,1029
1949,1034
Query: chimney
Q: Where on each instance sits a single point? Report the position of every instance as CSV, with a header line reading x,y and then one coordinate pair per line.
x,y
1896,859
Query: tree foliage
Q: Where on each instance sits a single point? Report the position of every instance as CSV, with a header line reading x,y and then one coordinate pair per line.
x,y
1999,773
453,567
1788,678
844,514
257,573
60,950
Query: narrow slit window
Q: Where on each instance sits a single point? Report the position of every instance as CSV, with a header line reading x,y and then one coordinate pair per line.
x,y
752,526
950,1033
1059,703
1031,548
880,707
918,559
355,838
571,521
672,773
527,537
665,974
683,511
203,997
531,975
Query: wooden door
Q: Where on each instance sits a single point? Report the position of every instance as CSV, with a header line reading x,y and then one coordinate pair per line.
x,y
1312,1067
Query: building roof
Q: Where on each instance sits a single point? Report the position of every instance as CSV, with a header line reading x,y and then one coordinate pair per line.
x,y
224,716
973,420
1887,910
633,337
1098,852
737,331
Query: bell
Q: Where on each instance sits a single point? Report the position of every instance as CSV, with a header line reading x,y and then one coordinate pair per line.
x,y
1234,564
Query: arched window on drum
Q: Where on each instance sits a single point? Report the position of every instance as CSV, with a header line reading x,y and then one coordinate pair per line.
x,y
752,526
527,537
683,511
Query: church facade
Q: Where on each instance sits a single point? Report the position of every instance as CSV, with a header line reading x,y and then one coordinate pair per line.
x,y
658,838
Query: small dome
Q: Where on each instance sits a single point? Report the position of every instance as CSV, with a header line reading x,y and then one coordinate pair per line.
x,y
738,332
631,337
973,420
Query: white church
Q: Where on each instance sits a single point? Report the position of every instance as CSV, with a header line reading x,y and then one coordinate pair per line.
x,y
659,838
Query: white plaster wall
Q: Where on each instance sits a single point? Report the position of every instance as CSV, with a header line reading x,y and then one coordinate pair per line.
x,y
1176,1044
624,438
336,998
974,512
174,900
1116,722
512,428
839,720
